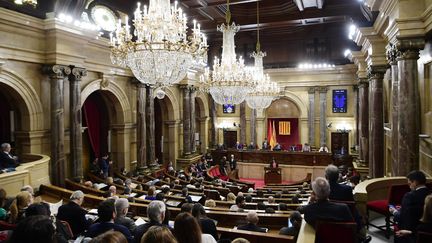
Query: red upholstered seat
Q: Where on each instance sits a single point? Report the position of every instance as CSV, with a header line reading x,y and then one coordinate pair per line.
x,y
379,206
6,226
335,232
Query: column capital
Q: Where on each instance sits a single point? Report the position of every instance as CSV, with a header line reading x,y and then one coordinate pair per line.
x,y
415,43
323,89
312,90
56,71
77,73
377,71
392,53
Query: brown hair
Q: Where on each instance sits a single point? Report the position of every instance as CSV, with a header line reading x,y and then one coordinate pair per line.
x,y
151,191
22,201
158,234
187,229
3,197
110,237
427,210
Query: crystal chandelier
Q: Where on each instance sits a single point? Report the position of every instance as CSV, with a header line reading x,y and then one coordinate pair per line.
x,y
231,80
266,91
31,2
159,52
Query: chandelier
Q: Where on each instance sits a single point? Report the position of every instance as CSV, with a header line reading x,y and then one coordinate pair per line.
x,y
159,52
231,80
31,2
266,91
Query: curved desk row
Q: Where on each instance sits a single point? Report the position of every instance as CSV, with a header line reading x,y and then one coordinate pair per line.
x,y
34,171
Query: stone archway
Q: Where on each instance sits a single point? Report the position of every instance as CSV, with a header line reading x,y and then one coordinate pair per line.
x,y
27,112
119,115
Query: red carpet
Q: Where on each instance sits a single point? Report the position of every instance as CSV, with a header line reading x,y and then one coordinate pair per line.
x,y
259,183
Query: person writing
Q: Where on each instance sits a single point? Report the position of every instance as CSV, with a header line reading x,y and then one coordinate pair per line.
x,y
277,147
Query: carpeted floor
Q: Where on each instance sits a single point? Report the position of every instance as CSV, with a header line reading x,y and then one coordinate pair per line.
x,y
259,183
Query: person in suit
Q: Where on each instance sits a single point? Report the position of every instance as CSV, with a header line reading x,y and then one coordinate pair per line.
x,y
122,207
411,210
74,214
425,224
222,166
252,219
7,161
273,163
238,146
232,163
252,146
104,165
265,144
306,148
107,214
208,226
323,149
277,147
156,214
295,222
321,208
338,191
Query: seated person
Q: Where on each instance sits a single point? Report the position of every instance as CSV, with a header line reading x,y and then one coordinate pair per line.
x,y
294,224
156,214
107,214
122,207
7,161
252,146
277,147
425,224
324,149
240,203
74,214
151,193
306,148
252,219
321,208
293,148
265,145
238,146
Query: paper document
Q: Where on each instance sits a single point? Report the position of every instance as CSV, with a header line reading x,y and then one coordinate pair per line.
x,y
55,206
140,221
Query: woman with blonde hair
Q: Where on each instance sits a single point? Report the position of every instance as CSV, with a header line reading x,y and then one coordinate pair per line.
x,y
19,205
231,197
210,203
158,234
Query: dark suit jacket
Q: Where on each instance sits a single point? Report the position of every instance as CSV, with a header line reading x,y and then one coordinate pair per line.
x,y
251,227
340,192
289,231
100,228
233,164
75,216
412,208
142,229
126,222
325,210
208,227
6,161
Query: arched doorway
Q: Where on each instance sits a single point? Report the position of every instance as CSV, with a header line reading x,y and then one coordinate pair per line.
x,y
164,125
96,120
283,118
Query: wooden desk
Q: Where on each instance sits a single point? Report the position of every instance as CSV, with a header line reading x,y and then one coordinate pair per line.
x,y
272,175
281,157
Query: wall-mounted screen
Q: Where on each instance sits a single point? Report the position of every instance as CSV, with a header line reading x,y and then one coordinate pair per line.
x,y
340,101
228,109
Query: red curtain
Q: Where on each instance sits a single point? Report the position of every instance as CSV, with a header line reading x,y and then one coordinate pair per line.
x,y
286,140
93,119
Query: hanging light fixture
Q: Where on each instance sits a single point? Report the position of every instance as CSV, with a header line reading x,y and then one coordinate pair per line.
x,y
230,80
158,52
31,2
266,91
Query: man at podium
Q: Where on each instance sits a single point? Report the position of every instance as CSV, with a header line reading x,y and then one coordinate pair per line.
x,y
273,164
272,174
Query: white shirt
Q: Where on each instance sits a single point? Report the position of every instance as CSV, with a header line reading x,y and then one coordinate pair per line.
x,y
206,238
234,208
323,149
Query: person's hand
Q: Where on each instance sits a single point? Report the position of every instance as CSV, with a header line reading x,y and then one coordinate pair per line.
x,y
402,233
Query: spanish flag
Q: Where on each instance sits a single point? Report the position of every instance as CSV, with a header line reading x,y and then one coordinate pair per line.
x,y
271,135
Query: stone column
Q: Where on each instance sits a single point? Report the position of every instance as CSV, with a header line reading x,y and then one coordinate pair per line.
x,y
186,121
311,116
323,115
150,125
253,126
356,114
75,120
409,105
57,74
392,54
242,123
376,120
363,86
192,119
213,117
141,126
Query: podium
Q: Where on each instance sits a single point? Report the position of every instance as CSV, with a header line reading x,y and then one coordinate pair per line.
x,y
272,175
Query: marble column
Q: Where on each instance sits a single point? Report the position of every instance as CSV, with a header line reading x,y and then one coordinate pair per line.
x,y
323,114
376,120
213,117
242,123
75,120
192,119
356,114
311,116
392,54
363,86
186,121
141,126
253,126
409,105
150,125
57,74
